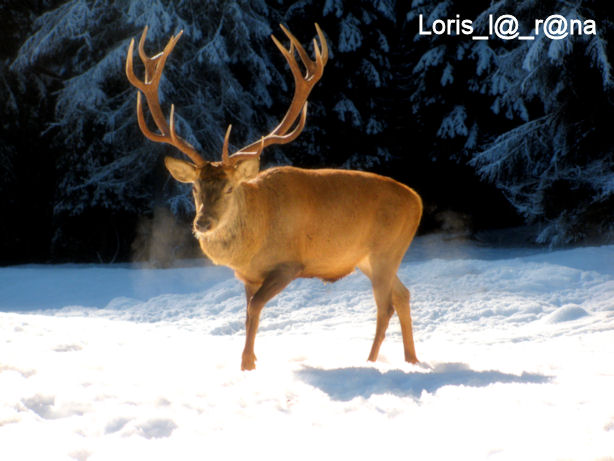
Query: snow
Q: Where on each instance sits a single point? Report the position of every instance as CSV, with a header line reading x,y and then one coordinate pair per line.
x,y
120,362
454,124
350,37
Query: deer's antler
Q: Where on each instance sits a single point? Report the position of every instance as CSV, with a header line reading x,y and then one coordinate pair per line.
x,y
303,84
149,87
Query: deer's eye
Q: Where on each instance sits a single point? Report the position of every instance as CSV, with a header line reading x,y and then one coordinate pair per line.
x,y
229,189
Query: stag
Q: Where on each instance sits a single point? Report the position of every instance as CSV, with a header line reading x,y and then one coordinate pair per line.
x,y
276,225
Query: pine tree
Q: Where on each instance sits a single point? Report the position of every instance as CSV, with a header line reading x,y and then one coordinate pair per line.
x,y
531,117
557,165
26,164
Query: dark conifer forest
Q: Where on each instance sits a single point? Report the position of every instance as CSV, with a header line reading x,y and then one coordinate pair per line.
x,y
494,134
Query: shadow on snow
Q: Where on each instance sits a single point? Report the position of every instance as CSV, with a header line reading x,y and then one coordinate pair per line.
x,y
347,383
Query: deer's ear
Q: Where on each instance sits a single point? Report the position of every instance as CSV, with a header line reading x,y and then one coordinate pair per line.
x,y
246,168
181,170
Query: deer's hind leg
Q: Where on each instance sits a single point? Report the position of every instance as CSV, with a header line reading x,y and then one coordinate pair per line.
x,y
390,296
382,292
400,301
384,314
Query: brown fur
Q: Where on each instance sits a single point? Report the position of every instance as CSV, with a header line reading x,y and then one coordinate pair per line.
x,y
284,223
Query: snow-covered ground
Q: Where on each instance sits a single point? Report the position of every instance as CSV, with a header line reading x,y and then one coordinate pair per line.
x,y
125,363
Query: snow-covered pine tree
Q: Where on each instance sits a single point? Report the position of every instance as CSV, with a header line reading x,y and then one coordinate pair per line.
x,y
440,116
556,165
441,78
26,165
531,117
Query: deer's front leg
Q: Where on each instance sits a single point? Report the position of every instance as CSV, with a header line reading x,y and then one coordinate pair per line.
x,y
274,282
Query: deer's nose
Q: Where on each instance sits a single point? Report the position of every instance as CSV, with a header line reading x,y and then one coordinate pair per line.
x,y
203,223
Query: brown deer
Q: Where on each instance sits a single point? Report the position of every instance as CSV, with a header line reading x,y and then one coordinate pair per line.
x,y
276,225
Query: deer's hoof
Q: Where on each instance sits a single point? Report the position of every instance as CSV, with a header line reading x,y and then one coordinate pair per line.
x,y
248,362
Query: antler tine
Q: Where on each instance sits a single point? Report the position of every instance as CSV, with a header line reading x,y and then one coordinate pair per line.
x,y
132,78
232,160
142,53
149,87
319,68
225,147
324,51
289,55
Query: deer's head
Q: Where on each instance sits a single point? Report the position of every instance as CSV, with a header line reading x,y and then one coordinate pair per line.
x,y
214,187
216,183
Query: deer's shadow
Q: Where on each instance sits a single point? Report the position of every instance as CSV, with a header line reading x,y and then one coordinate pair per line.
x,y
347,383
